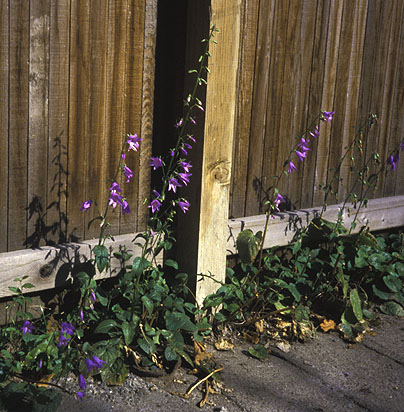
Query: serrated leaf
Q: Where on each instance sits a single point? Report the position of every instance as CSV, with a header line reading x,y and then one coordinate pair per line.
x,y
356,304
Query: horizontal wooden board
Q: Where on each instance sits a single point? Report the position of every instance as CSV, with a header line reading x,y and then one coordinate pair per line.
x,y
50,267
380,214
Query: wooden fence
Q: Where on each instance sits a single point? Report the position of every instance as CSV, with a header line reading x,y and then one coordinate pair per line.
x,y
276,65
298,57
76,77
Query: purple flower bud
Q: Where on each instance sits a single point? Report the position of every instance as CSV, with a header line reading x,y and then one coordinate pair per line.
x,y
125,207
86,205
328,116
292,167
27,327
128,173
115,187
301,155
80,394
82,316
82,382
93,297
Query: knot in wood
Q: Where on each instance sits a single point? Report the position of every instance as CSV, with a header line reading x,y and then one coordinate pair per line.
x,y
46,270
220,171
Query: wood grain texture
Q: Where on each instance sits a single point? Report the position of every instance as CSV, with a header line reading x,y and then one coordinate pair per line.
x,y
380,214
50,267
245,89
18,123
79,104
58,120
146,131
259,104
38,98
218,144
115,96
4,112
96,184
133,103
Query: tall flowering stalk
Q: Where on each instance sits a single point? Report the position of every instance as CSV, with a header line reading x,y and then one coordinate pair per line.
x,y
297,154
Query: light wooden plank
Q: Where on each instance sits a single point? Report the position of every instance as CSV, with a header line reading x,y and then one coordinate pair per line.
x,y
50,267
320,47
79,99
146,131
218,144
269,24
58,120
4,87
115,95
245,88
133,104
380,214
18,127
96,184
38,121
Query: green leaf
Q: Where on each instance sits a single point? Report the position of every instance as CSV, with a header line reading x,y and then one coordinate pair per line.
x,y
293,290
259,352
341,278
28,285
302,313
247,246
171,263
128,330
178,320
148,304
105,326
140,264
392,308
101,257
356,304
380,294
393,283
170,354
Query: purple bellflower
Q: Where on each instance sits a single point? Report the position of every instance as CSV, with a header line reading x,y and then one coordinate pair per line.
x,y
28,327
133,142
66,333
155,205
173,184
184,205
94,363
128,173
156,162
185,177
292,167
86,205
186,166
328,116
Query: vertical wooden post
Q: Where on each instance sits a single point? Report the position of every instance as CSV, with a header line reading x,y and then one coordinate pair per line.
x,y
210,253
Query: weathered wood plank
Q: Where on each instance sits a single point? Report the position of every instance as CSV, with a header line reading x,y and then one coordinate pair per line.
x,y
115,95
4,112
265,51
146,131
320,48
328,95
58,120
380,214
133,103
38,121
96,184
18,127
388,102
49,267
248,44
79,100
218,144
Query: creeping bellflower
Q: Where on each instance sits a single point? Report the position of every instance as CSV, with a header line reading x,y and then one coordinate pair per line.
x,y
292,167
186,166
82,382
328,116
86,205
133,142
184,205
128,173
173,184
155,205
28,327
155,162
185,177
